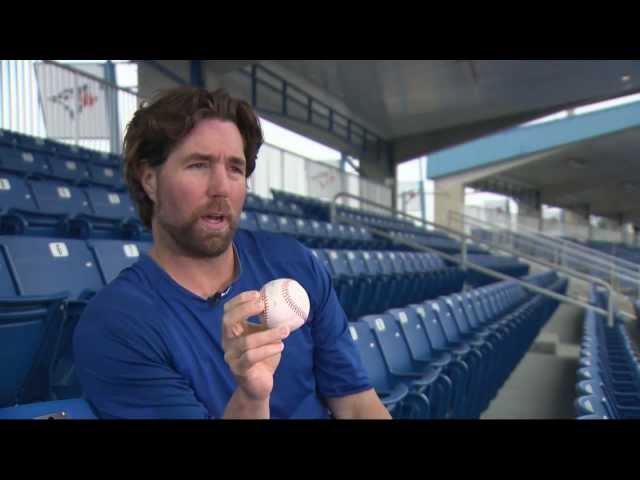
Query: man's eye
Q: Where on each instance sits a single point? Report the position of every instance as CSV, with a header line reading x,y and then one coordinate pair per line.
x,y
198,165
237,169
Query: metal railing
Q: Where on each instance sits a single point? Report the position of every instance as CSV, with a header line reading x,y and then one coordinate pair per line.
x,y
464,262
515,225
581,258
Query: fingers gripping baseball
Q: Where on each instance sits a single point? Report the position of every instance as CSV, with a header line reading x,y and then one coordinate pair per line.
x,y
252,352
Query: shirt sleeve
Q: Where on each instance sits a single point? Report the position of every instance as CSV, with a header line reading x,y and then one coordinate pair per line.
x,y
339,369
124,369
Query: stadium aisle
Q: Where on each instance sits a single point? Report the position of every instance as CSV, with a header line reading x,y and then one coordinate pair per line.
x,y
543,384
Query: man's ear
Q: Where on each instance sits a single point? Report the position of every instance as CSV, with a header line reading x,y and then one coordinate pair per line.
x,y
149,181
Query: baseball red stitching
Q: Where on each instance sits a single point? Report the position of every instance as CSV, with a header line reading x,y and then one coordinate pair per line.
x,y
285,293
265,314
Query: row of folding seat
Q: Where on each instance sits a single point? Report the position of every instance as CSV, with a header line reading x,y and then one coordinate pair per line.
x,y
30,143
57,208
320,210
438,242
312,233
608,384
70,166
374,281
44,286
506,265
257,204
447,358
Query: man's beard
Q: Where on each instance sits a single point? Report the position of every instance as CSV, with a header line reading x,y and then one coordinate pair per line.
x,y
193,241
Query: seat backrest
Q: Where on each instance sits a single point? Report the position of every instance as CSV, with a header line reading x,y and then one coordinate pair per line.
x,y
396,263
26,336
248,221
321,255
34,144
113,256
413,331
253,203
320,228
431,323
14,193
371,261
392,343
16,160
471,310
339,263
371,355
453,303
385,263
7,283
106,174
357,262
109,204
44,266
68,168
58,197
286,225
447,322
408,262
304,227
71,409
267,223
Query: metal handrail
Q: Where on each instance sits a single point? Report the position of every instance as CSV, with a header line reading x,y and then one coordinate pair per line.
x,y
540,236
464,262
620,272
573,245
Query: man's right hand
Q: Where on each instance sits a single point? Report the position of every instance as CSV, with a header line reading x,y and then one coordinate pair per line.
x,y
251,351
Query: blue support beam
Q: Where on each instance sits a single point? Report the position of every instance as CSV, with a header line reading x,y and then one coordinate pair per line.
x,y
197,76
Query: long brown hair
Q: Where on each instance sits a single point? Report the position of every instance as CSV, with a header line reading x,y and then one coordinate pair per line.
x,y
158,127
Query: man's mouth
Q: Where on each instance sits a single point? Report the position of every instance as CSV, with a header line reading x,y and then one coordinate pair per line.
x,y
215,221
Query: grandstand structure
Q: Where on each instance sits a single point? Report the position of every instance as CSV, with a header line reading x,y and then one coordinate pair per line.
x,y
467,317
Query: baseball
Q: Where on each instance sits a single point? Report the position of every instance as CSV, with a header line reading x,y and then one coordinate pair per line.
x,y
286,302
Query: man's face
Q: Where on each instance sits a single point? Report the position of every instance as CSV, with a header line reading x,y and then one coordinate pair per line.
x,y
200,189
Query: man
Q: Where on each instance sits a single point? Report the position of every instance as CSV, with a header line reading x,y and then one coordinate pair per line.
x,y
170,337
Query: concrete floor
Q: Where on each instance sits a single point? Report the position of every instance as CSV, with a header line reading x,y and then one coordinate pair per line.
x,y
543,384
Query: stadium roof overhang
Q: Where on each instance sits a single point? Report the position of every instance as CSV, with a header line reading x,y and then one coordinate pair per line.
x,y
588,163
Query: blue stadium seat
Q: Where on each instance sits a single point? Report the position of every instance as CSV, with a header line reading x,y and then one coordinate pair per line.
x,y
33,144
25,163
419,376
41,263
107,175
113,256
248,221
420,350
393,392
287,225
267,223
109,204
57,202
68,168
14,193
71,409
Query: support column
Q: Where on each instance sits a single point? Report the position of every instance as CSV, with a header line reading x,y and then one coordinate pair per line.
x,y
449,196
530,214
578,223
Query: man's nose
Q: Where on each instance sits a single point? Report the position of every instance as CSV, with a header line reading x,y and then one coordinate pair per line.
x,y
218,181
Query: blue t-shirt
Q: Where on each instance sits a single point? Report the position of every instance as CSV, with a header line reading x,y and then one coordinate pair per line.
x,y
145,347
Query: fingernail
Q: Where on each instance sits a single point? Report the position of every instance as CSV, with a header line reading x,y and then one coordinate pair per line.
x,y
284,331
